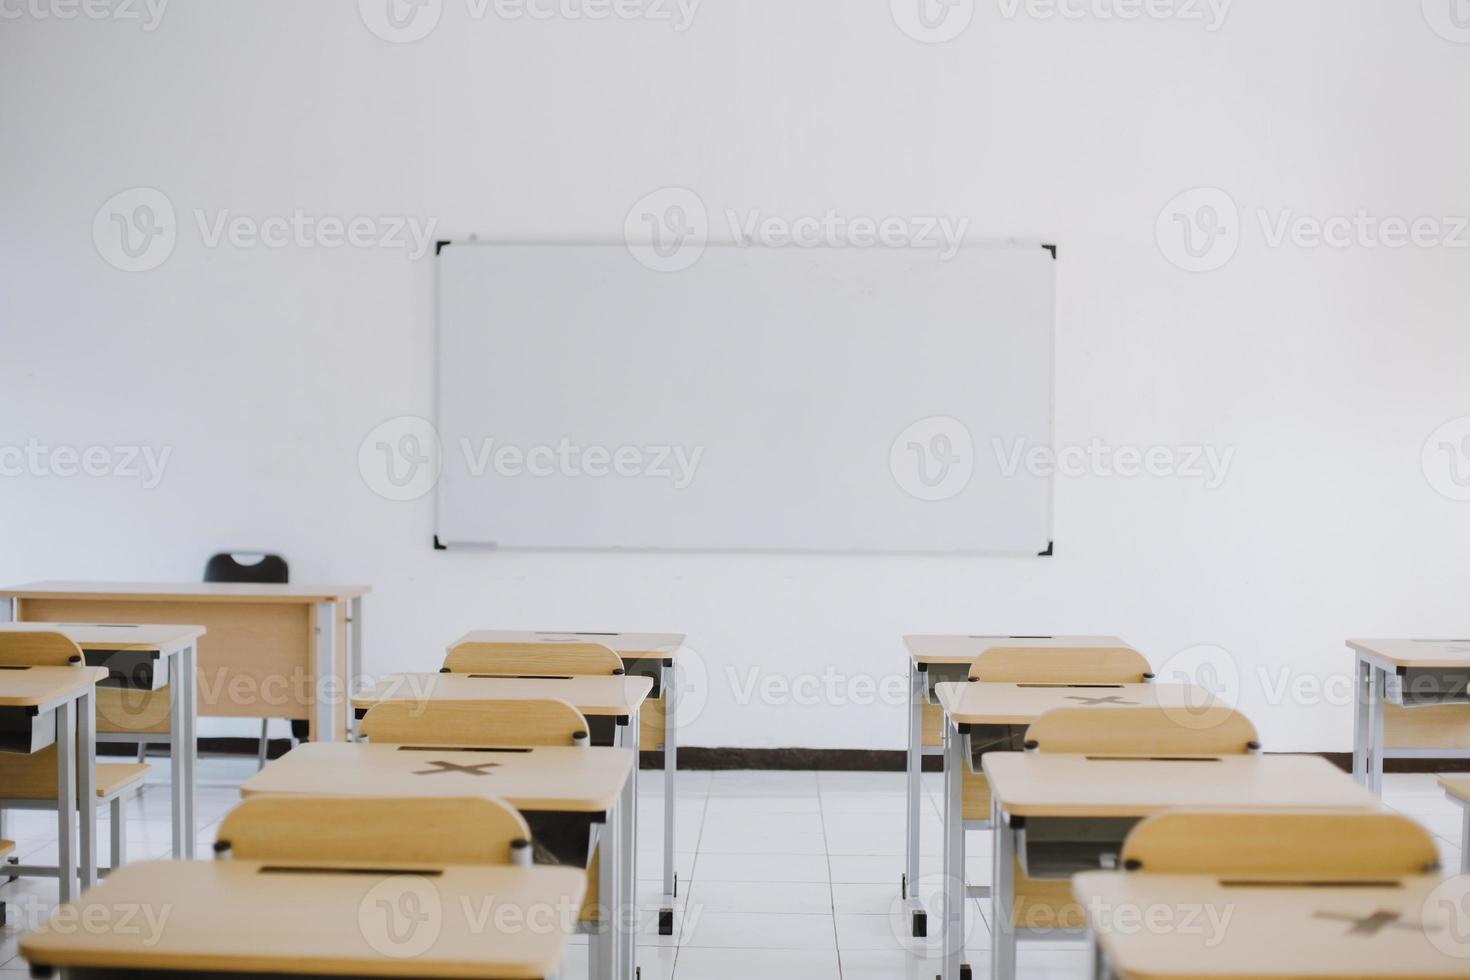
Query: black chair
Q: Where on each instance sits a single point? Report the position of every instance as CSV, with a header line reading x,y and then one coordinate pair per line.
x,y
256,568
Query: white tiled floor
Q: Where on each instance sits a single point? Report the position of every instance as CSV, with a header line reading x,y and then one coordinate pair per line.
x,y
786,875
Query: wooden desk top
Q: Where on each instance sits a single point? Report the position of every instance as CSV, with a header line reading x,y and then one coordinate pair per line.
x,y
158,639
634,645
167,591
232,916
985,703
43,687
952,649
1035,784
1458,787
1206,929
563,779
589,695
1415,653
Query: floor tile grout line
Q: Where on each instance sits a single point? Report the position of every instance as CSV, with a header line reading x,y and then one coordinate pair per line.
x,y
831,896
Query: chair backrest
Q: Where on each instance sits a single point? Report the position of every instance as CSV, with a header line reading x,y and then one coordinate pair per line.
x,y
1288,845
38,648
376,832
507,723
1145,732
520,659
245,566
1061,665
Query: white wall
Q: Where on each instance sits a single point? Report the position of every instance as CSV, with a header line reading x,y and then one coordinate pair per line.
x,y
263,369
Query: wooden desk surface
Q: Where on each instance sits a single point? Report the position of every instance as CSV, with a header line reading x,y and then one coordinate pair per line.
x,y
635,645
589,695
953,649
1206,929
984,703
34,687
563,779
1457,786
116,636
1416,653
213,591
1034,784
232,916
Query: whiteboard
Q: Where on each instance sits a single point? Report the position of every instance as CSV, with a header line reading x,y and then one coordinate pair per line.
x,y
764,398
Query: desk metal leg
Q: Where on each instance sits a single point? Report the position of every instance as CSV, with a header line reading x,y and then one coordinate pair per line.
x,y
1375,730
1002,897
953,913
354,659
914,769
1465,841
671,776
323,709
605,949
178,733
189,758
1363,680
87,786
66,800
627,918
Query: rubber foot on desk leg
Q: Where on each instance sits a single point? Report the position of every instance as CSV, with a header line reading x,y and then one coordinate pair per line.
x,y
903,886
921,925
965,971
665,922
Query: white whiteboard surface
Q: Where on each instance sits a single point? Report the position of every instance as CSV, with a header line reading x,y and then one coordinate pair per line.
x,y
806,399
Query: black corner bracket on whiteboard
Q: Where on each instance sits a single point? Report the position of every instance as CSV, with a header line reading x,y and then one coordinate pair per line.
x,y
438,546
1050,248
1050,549
439,247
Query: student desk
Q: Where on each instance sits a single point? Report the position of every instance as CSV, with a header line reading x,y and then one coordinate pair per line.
x,y
1418,690
592,783
1458,789
132,655
243,918
273,651
652,655
1206,927
46,704
1056,815
933,659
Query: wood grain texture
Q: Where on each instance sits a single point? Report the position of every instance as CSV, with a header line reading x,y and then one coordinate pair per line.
x,y
1143,731
476,723
533,658
1282,845
233,916
33,776
1061,665
35,647
374,832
